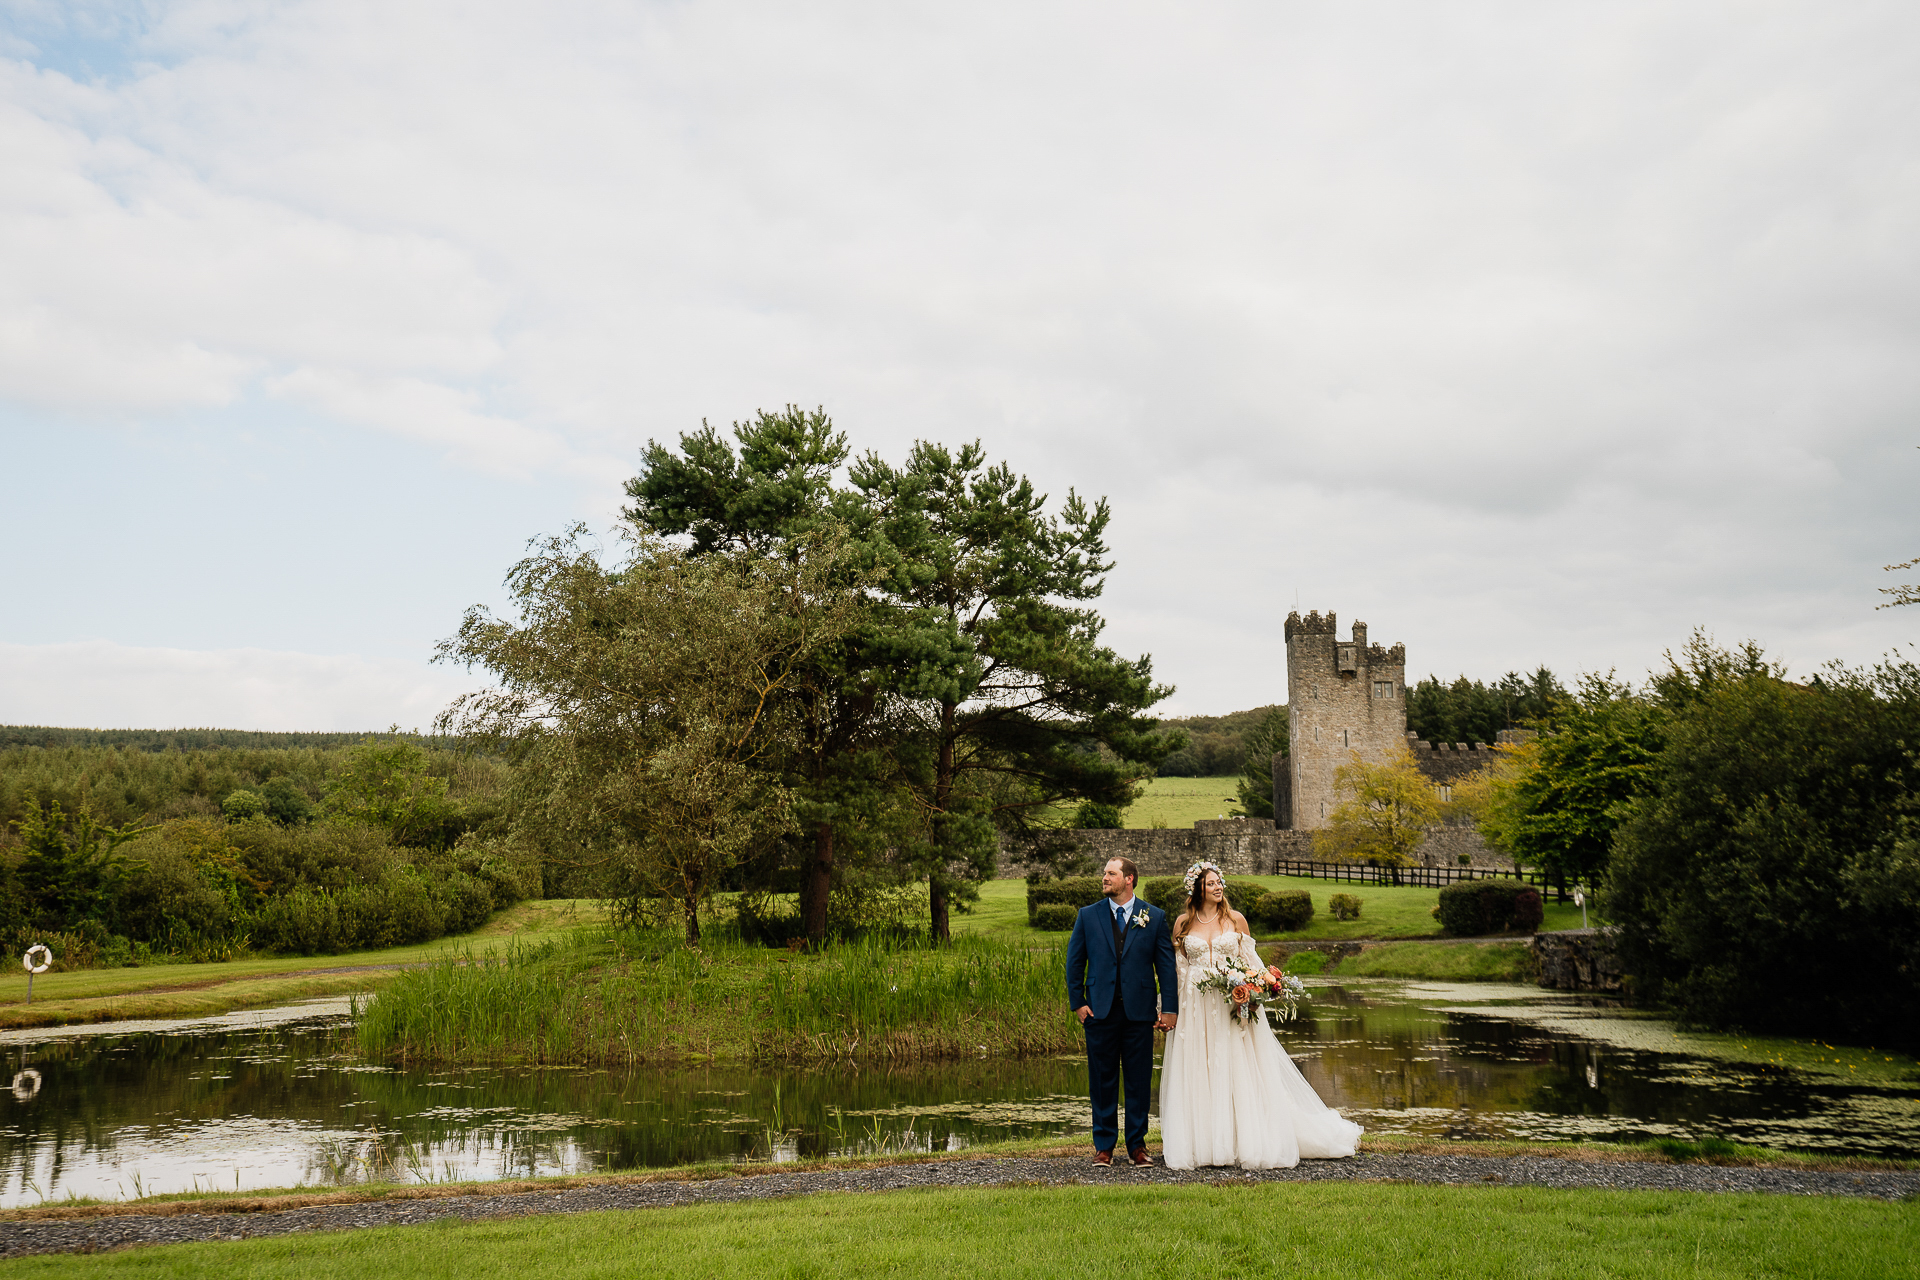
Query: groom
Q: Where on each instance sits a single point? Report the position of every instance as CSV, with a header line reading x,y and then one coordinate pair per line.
x,y
1120,946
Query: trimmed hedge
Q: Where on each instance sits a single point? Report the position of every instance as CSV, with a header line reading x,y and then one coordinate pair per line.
x,y
1344,906
1073,891
1166,893
1055,916
1285,910
1169,893
1489,906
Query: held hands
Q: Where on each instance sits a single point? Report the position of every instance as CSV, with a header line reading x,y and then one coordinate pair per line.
x,y
1162,1023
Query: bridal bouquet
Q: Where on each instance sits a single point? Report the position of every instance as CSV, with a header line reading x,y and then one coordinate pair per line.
x,y
1249,990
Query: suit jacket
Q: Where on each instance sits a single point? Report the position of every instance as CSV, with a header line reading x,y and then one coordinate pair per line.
x,y
1096,974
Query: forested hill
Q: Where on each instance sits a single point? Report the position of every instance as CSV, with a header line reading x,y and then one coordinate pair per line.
x,y
1217,745
22,735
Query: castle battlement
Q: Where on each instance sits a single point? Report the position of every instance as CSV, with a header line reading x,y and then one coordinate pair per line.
x,y
1313,624
1345,699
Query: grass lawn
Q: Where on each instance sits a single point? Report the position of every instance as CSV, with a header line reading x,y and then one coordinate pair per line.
x,y
1386,911
1329,1231
1181,802
198,990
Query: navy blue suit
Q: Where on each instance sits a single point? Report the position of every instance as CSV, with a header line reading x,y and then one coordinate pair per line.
x,y
1117,981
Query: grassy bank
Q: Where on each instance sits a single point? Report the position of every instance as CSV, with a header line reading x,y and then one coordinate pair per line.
x,y
199,990
607,998
1440,961
1326,1230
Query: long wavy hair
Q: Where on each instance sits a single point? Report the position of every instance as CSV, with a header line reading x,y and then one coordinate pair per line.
x,y
1194,902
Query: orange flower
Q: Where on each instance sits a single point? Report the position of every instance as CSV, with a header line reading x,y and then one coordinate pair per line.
x,y
1242,993
1274,970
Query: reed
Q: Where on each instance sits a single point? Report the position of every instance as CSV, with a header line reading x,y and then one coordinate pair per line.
x,y
631,998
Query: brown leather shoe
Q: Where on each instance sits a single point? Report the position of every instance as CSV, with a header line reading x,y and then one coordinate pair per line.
x,y
1104,1159
1139,1156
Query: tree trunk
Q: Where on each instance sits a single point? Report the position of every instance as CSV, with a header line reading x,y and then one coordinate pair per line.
x,y
942,796
818,884
937,905
692,907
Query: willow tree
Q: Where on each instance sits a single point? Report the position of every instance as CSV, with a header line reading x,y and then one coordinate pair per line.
x,y
649,694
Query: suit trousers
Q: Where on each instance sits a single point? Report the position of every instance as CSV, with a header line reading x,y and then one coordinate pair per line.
x,y
1119,1047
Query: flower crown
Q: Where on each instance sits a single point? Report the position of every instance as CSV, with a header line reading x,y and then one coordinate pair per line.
x,y
1196,871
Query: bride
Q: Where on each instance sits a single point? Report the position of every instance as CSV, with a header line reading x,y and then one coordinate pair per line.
x,y
1229,1094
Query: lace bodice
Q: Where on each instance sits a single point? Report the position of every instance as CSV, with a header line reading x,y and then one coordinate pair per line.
x,y
1198,956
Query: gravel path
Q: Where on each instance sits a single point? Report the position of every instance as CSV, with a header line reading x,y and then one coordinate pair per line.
x,y
87,1234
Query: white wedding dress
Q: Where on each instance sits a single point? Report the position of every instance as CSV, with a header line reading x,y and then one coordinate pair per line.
x,y
1229,1094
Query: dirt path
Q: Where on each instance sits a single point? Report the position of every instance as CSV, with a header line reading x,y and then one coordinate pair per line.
x,y
114,1228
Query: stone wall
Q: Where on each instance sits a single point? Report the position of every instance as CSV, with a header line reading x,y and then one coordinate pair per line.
x,y
1576,960
1446,763
1239,846
1445,843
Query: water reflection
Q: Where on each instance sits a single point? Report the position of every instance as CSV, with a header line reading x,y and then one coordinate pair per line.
x,y
277,1098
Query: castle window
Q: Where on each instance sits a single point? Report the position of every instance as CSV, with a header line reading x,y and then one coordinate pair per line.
x,y
1383,688
1343,739
1446,794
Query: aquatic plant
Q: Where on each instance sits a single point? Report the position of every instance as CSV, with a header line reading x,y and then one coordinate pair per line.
x,y
637,997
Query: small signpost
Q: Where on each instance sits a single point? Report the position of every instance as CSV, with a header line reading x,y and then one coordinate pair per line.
x,y
43,963
1580,896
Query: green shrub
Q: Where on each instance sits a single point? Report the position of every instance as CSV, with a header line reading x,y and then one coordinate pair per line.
x,y
287,803
1094,816
1054,916
170,896
1286,910
1166,893
241,805
1169,893
1489,906
1074,891
1344,906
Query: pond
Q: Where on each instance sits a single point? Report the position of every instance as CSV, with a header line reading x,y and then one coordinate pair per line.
x,y
277,1098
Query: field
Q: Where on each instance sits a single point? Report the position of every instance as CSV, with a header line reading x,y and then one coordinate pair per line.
x,y
1181,802
1330,1231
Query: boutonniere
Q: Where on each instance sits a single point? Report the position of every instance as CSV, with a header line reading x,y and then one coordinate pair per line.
x,y
1140,920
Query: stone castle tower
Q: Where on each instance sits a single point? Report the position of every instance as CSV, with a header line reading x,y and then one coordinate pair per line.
x,y
1345,697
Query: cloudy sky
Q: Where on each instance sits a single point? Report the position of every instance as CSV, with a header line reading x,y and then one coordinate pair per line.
x,y
1525,333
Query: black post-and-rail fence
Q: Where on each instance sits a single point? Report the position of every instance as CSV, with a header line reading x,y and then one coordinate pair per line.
x,y
1429,877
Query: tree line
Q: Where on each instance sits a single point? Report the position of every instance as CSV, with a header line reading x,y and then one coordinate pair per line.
x,y
117,855
1753,837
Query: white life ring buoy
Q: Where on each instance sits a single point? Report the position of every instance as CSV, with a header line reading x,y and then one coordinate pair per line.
x,y
43,965
26,1084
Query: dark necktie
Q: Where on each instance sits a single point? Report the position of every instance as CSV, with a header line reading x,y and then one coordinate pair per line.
x,y
1119,931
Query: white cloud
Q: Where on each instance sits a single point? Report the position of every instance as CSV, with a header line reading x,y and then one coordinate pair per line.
x,y
98,683
1601,317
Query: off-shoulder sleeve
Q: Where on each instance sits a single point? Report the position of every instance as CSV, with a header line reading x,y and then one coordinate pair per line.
x,y
1249,951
